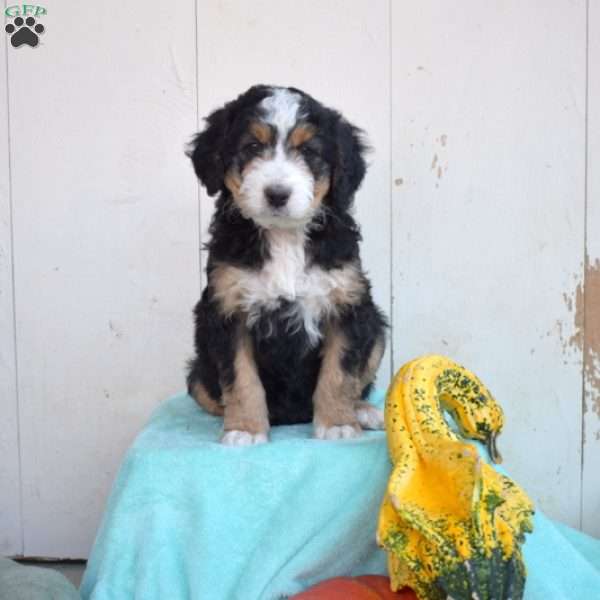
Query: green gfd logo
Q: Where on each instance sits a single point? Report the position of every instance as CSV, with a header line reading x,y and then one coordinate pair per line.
x,y
24,10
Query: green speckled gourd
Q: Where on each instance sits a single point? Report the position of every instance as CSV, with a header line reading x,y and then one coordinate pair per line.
x,y
451,524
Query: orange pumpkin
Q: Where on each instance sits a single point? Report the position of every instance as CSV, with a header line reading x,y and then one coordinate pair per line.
x,y
381,585
365,587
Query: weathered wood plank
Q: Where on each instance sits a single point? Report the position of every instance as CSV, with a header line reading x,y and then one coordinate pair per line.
x,y
591,308
106,238
488,212
11,542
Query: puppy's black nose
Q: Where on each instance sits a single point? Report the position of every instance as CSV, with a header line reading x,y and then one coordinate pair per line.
x,y
277,195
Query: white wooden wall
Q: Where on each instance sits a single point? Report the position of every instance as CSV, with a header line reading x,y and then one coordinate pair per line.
x,y
590,499
480,213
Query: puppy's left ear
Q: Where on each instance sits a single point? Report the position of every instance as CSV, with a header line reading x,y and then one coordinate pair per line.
x,y
350,167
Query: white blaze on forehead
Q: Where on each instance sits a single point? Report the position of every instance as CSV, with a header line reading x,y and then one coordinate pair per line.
x,y
282,108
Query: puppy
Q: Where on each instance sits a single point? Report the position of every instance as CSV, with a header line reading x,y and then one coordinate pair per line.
x,y
286,329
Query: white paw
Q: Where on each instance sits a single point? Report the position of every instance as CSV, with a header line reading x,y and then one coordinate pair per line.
x,y
337,432
370,417
243,438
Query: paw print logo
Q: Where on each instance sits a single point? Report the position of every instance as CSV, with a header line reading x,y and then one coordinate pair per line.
x,y
24,32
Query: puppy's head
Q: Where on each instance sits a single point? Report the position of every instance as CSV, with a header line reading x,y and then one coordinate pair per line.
x,y
281,155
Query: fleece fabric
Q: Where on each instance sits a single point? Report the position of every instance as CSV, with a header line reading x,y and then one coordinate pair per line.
x,y
190,519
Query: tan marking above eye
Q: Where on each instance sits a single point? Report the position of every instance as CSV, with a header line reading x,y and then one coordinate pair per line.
x,y
261,132
301,134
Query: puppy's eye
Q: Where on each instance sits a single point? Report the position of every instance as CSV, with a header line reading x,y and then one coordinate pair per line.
x,y
309,150
252,146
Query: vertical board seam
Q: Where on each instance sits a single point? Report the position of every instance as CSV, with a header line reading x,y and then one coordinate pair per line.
x,y
585,258
14,301
391,188
198,192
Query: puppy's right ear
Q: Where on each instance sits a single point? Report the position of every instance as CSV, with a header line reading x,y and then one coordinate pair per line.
x,y
206,150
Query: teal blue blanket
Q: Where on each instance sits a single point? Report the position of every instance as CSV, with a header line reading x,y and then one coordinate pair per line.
x,y
191,519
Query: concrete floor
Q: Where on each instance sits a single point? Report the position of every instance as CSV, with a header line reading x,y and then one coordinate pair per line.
x,y
72,570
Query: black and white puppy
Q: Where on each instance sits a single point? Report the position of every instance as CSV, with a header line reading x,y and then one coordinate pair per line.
x,y
286,329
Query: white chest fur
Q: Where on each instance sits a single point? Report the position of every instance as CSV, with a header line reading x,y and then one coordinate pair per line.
x,y
313,293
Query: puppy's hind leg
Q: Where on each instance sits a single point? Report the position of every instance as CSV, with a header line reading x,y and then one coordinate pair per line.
x,y
369,416
203,376
197,389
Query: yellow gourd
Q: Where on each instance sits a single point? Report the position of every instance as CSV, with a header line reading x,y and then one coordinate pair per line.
x,y
451,524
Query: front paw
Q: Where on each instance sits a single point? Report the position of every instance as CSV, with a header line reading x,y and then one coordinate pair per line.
x,y
337,432
235,437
